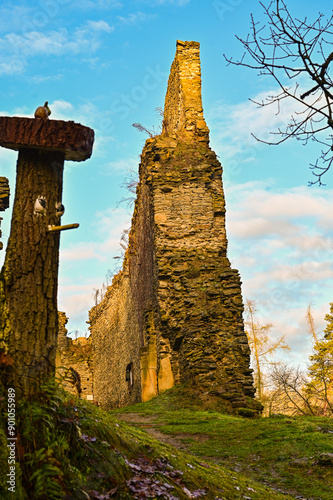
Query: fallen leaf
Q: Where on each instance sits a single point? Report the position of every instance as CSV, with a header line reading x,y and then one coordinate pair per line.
x,y
199,493
187,492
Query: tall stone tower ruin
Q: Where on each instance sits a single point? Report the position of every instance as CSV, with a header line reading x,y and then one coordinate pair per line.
x,y
174,312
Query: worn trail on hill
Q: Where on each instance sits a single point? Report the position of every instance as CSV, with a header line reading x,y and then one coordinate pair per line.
x,y
150,425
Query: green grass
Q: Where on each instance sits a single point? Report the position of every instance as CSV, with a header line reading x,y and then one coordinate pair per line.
x,y
279,451
70,449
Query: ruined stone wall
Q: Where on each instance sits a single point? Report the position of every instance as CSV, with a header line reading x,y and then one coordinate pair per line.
x,y
74,362
175,311
183,103
120,325
201,332
4,199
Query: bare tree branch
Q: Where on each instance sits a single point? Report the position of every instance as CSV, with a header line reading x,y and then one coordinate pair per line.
x,y
287,48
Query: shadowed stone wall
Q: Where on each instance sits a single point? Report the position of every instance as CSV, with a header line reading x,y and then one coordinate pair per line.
x,y
74,362
123,323
174,313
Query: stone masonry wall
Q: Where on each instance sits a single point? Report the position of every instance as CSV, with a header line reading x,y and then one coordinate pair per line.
x,y
74,362
4,199
174,313
183,104
120,325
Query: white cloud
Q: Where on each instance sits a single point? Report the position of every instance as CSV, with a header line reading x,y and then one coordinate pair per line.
x,y
235,125
112,222
96,4
136,18
13,16
167,2
62,106
76,300
79,259
240,121
109,225
48,78
16,49
125,165
36,43
88,114
100,26
11,65
281,240
300,217
296,202
81,251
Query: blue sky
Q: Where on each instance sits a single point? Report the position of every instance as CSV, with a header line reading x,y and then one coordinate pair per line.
x,y
105,64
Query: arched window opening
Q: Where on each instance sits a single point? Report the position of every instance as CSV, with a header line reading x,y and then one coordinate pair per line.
x,y
129,375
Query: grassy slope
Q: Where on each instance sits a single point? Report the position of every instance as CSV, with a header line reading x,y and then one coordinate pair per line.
x,y
69,449
281,451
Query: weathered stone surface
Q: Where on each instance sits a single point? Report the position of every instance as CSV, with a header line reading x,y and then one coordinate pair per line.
x,y
74,362
183,111
74,140
123,325
4,194
175,310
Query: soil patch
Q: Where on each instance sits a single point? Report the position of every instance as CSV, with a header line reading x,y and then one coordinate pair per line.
x,y
149,424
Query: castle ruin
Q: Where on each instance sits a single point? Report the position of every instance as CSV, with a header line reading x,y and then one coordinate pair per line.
x,y
74,362
173,314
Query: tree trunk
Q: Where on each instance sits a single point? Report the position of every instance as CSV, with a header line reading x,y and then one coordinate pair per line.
x,y
29,277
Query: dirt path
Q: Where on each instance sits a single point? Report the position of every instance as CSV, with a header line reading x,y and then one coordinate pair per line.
x,y
150,425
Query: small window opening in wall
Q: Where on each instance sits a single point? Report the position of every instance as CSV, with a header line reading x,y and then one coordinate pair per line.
x,y
129,375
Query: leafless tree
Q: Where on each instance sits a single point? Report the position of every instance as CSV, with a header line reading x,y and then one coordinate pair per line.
x,y
297,55
261,344
289,395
